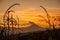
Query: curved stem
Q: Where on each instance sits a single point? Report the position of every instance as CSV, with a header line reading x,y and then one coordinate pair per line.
x,y
8,10
47,16
11,7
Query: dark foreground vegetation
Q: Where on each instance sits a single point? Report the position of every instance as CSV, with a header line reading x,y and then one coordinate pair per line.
x,y
39,35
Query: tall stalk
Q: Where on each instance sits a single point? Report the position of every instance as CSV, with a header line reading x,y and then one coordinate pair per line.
x,y
47,16
7,11
12,23
8,20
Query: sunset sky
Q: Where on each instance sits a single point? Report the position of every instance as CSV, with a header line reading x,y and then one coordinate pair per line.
x,y
30,9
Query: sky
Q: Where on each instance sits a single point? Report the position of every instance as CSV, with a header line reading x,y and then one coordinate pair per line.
x,y
29,10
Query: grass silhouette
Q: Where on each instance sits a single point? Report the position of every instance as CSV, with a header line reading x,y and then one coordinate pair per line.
x,y
48,17
7,20
8,10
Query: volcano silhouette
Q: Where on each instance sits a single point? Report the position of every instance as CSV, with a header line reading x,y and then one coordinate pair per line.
x,y
33,28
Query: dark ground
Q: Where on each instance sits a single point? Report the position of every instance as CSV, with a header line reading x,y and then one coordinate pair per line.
x,y
39,35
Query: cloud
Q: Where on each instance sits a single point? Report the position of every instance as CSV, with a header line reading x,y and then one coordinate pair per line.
x,y
30,14
53,8
30,11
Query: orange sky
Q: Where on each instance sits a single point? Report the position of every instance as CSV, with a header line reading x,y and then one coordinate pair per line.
x,y
31,14
29,10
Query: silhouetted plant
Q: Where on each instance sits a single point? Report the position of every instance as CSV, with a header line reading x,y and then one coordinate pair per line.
x,y
6,19
53,23
58,20
3,33
43,18
8,10
13,22
48,17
